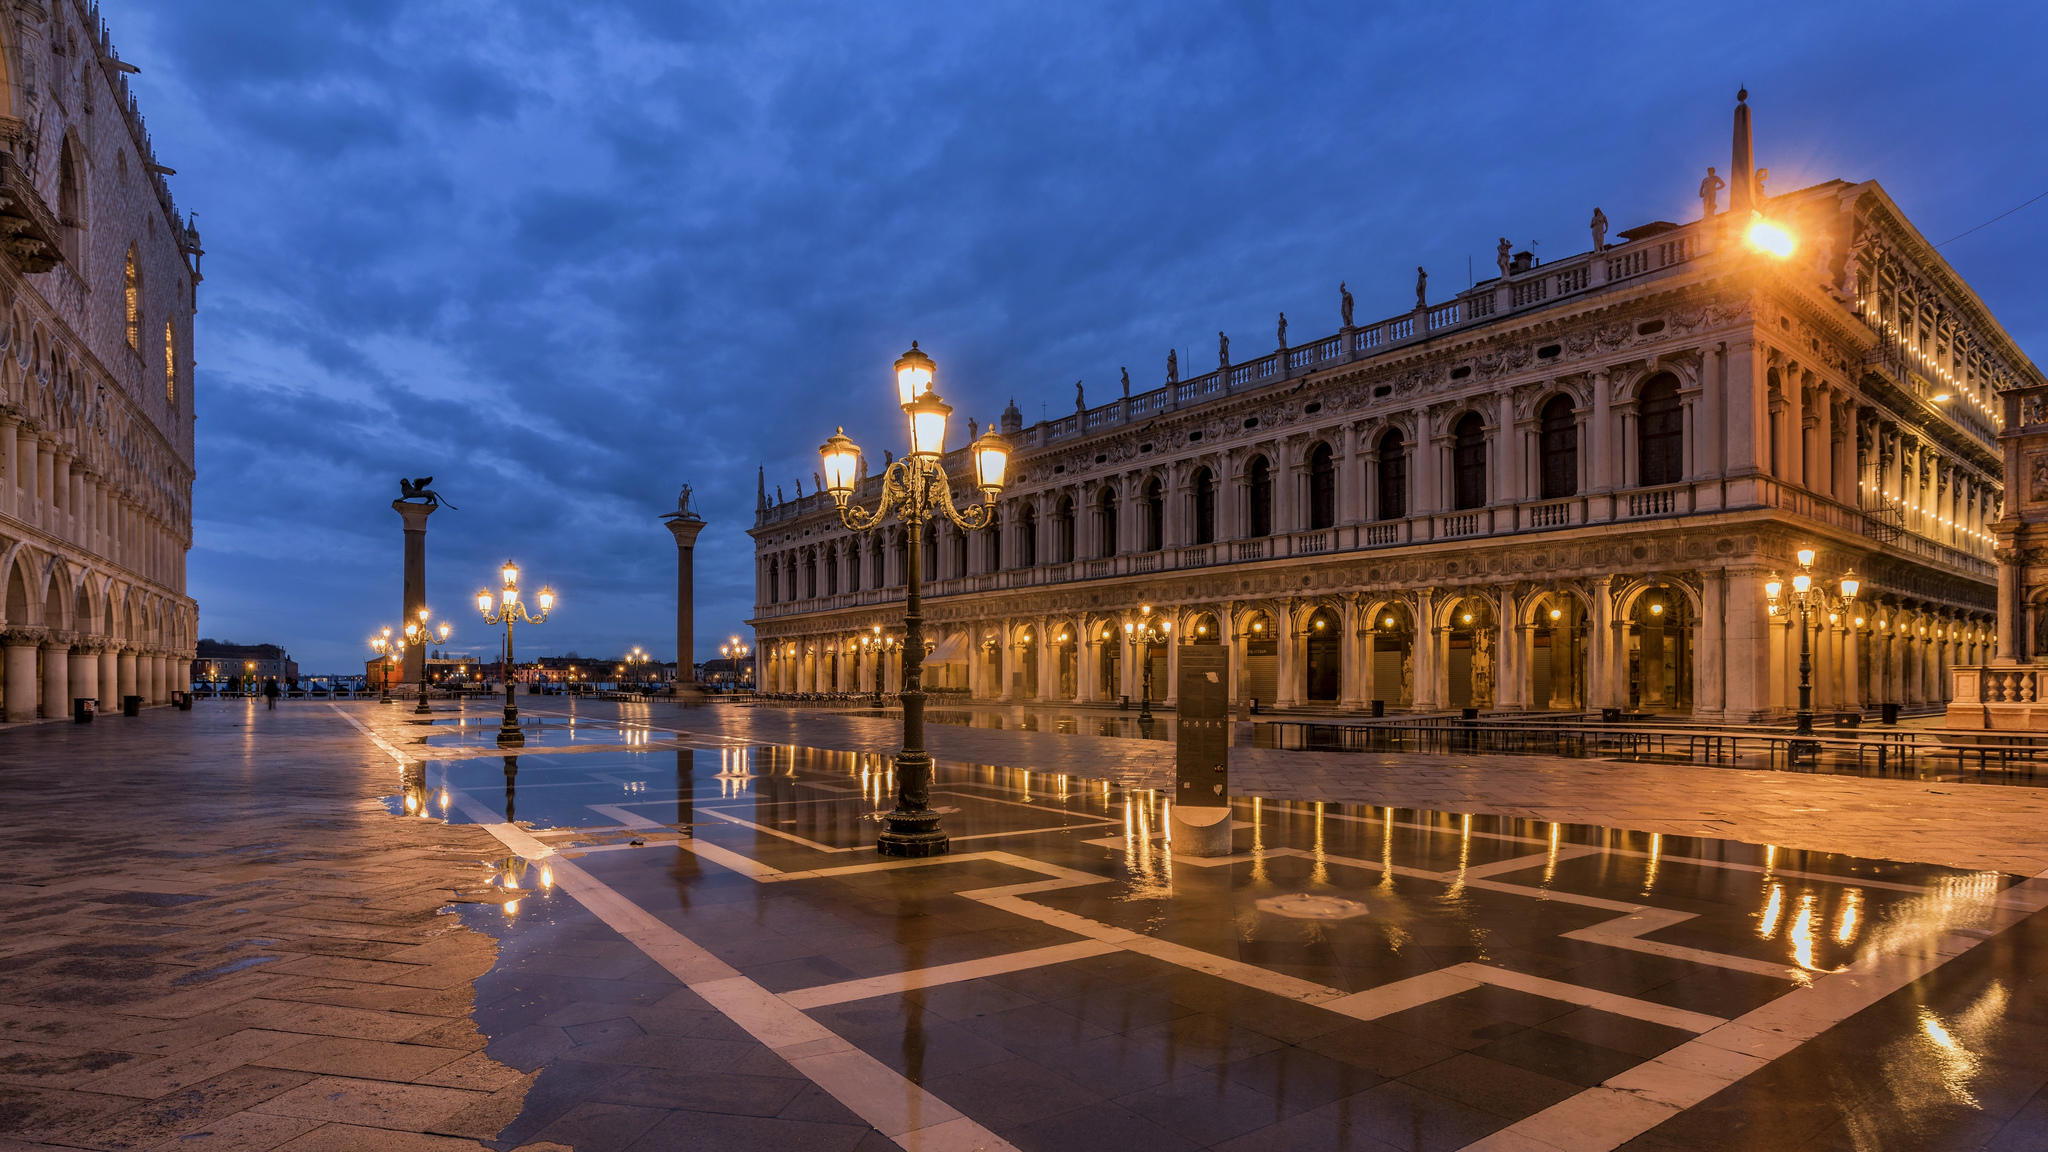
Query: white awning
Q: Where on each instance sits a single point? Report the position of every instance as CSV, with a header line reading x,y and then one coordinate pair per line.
x,y
951,650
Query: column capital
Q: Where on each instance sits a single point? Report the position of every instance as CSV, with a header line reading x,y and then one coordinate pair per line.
x,y
22,637
55,641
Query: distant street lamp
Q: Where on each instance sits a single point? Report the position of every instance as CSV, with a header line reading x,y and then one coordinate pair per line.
x,y
1146,631
917,488
508,610
419,635
1810,600
881,646
730,651
388,650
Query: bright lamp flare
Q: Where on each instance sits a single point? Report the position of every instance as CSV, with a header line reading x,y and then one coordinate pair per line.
x,y
1767,237
510,572
991,461
483,601
842,460
928,416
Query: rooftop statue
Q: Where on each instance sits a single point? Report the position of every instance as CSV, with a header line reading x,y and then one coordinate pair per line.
x,y
1344,292
1710,192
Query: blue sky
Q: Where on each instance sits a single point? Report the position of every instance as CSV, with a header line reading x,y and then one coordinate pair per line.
x,y
566,255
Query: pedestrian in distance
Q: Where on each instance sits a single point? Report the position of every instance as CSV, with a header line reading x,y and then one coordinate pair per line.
x,y
270,693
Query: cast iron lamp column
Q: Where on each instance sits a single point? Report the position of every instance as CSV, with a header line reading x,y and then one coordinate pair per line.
x,y
388,650
917,489
1146,631
510,610
1809,599
417,633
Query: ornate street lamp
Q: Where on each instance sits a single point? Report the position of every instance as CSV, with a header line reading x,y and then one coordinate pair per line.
x,y
419,635
1810,599
509,609
1146,631
880,645
917,489
390,651
730,651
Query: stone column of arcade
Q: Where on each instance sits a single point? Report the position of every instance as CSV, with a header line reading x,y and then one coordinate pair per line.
x,y
415,516
56,678
85,673
124,680
22,688
110,676
684,523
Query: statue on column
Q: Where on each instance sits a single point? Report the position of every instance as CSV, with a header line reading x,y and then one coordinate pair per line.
x,y
1421,287
1344,294
1599,226
1710,192
421,491
683,507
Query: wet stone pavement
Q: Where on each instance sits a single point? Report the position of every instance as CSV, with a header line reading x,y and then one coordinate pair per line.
x,y
652,928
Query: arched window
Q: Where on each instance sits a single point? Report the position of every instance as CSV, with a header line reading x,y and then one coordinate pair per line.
x,y
1063,531
1205,506
789,574
995,540
1468,462
132,293
957,547
1155,515
170,364
1259,496
931,557
853,565
1027,537
1105,505
1558,447
1393,476
1322,486
771,577
832,571
902,556
1660,432
71,200
810,574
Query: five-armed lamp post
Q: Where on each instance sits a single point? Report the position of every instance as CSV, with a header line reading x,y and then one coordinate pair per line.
x,y
1809,599
1146,631
732,650
418,634
510,609
880,646
917,488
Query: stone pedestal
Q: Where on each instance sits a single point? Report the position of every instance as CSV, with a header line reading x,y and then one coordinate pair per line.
x,y
685,525
1200,831
415,516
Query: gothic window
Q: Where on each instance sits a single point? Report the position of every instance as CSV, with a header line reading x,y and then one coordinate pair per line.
x,y
1027,537
1393,476
1063,531
1660,432
70,191
132,293
170,364
1259,496
1468,462
1322,487
1558,448
1155,515
1205,506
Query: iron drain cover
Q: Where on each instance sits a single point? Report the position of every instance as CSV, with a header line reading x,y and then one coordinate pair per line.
x,y
1302,906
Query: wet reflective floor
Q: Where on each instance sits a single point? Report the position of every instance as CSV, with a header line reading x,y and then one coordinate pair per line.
x,y
1350,976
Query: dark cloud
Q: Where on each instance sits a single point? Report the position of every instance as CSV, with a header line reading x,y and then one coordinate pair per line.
x,y
566,255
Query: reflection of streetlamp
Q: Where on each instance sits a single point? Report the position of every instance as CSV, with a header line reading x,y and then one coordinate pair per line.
x,y
1809,599
419,635
917,488
1146,631
509,610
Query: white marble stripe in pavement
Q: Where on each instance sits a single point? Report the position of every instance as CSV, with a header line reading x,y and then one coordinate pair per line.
x,y
1633,1102
893,983
877,1093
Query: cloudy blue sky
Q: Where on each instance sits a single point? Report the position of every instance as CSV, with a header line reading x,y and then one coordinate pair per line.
x,y
565,255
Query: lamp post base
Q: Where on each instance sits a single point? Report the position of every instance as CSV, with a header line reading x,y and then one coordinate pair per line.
x,y
912,834
423,708
508,732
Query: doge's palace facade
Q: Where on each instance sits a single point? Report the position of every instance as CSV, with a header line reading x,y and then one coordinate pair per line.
x,y
1561,489
97,282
